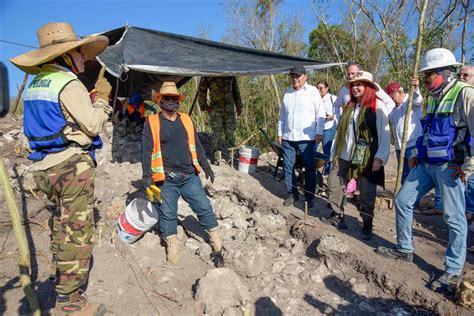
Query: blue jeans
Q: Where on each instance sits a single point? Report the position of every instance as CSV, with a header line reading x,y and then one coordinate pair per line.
x,y
406,170
470,194
306,149
328,138
421,180
190,188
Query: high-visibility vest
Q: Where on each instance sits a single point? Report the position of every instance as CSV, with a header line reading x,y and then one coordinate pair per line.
x,y
157,168
442,141
43,120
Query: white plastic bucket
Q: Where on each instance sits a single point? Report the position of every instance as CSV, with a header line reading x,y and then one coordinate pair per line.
x,y
138,217
248,159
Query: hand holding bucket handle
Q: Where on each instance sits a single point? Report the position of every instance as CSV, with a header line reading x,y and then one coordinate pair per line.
x,y
152,193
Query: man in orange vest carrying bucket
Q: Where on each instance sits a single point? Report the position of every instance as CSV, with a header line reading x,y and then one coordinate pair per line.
x,y
171,160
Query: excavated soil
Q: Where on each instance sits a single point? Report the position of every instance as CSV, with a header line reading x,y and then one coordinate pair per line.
x,y
276,262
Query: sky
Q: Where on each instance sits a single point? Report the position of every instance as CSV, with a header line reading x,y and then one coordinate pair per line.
x,y
19,20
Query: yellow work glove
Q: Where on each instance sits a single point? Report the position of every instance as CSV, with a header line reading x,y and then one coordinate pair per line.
x,y
152,193
102,86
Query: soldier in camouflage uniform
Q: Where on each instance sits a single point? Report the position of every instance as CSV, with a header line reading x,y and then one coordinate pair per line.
x,y
224,103
62,126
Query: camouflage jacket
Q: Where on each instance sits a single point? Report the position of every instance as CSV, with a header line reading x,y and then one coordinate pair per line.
x,y
223,94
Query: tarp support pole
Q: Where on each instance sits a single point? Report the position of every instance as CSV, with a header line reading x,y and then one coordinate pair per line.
x,y
196,96
116,92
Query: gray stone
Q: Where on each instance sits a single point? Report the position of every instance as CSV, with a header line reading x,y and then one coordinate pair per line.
x,y
192,244
360,288
221,289
319,273
251,261
278,266
204,250
330,244
240,222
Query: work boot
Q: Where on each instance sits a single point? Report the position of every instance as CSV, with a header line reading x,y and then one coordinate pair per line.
x,y
172,249
394,253
446,283
215,239
336,220
216,245
367,228
76,304
290,200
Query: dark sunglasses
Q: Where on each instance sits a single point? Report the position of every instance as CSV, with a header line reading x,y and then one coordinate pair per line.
x,y
170,98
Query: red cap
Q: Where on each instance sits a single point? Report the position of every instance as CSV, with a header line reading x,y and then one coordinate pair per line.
x,y
392,87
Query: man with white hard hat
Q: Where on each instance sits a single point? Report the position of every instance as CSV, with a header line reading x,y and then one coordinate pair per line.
x,y
443,157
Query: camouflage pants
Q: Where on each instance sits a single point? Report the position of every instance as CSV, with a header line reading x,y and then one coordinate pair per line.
x,y
70,185
223,125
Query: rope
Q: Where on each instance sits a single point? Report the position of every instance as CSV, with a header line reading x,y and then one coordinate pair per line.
x,y
302,191
19,44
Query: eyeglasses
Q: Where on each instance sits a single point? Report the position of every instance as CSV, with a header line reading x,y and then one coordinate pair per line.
x,y
170,98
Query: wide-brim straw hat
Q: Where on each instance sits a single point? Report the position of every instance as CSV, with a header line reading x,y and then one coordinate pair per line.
x,y
56,39
363,76
168,88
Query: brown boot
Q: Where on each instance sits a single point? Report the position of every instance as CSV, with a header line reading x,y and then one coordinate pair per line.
x,y
172,249
215,239
76,304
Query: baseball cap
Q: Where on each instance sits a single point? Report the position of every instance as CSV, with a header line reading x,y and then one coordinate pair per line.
x,y
298,70
392,87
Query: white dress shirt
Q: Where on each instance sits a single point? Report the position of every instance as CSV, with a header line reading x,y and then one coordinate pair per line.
x,y
328,106
344,97
397,121
383,135
302,114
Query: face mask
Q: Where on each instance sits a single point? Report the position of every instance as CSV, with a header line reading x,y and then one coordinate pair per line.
x,y
169,106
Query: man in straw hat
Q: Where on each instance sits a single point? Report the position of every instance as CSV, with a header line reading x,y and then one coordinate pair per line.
x,y
443,157
171,159
62,126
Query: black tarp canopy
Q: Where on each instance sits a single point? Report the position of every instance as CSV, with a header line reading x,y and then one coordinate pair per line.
x,y
143,57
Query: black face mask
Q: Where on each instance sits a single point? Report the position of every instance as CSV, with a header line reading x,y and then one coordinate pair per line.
x,y
169,106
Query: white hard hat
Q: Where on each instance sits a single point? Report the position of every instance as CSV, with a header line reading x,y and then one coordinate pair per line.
x,y
438,58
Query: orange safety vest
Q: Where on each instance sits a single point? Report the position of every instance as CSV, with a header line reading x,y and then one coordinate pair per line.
x,y
157,168
140,109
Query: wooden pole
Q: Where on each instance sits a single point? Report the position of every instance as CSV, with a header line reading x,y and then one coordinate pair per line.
x,y
196,96
421,26
20,92
24,255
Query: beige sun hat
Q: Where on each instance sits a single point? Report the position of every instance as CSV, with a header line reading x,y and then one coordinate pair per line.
x,y
364,76
167,88
56,39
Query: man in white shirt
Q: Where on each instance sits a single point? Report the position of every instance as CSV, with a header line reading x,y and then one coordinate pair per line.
x,y
397,119
300,125
352,69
